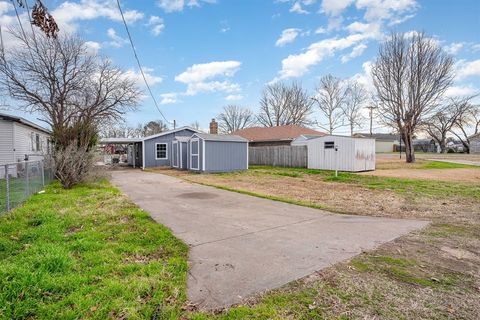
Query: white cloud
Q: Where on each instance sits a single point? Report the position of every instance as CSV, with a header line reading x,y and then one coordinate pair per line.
x,y
178,5
92,47
454,47
376,10
211,86
296,65
204,71
461,91
136,76
335,7
356,52
320,30
465,69
287,36
69,12
234,97
297,8
365,78
115,40
156,24
204,77
5,7
169,98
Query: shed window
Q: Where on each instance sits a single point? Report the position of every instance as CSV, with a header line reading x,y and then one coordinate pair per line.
x,y
161,151
329,145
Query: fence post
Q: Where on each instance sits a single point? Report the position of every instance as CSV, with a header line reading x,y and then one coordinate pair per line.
x,y
7,189
27,189
42,169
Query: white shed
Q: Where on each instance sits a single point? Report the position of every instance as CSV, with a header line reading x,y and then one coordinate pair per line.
x,y
341,153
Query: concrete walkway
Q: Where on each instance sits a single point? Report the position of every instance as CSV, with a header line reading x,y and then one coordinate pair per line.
x,y
242,245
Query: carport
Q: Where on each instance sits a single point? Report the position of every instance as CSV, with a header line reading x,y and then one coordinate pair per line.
x,y
133,146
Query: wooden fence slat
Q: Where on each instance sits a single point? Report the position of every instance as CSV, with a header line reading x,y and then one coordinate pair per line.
x,y
281,156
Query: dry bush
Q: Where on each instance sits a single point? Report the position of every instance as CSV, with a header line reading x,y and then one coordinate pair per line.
x,y
73,164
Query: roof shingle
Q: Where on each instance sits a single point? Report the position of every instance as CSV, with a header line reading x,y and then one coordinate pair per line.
x,y
279,133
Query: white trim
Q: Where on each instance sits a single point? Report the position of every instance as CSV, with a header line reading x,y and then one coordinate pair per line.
x,y
195,154
175,148
170,131
180,165
143,155
166,151
203,154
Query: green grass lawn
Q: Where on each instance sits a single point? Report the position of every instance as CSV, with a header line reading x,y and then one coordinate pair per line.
x,y
87,253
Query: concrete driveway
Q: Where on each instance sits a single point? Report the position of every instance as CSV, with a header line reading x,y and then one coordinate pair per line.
x,y
242,245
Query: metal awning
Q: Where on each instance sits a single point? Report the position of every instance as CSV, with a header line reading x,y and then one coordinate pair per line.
x,y
119,140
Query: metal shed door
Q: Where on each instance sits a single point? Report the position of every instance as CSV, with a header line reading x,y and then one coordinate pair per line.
x,y
195,154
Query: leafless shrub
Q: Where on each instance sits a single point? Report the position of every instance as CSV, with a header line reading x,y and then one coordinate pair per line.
x,y
72,164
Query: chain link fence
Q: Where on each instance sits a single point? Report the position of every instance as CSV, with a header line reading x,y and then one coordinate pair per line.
x,y
20,180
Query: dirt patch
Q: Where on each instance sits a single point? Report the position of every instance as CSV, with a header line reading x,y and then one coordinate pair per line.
x,y
460,175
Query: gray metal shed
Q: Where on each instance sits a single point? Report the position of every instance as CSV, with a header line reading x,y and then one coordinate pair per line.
x,y
217,153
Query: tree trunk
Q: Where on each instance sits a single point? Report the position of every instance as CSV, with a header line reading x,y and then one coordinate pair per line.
x,y
409,151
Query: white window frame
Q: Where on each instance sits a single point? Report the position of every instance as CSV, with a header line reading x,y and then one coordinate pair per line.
x,y
175,149
156,151
195,154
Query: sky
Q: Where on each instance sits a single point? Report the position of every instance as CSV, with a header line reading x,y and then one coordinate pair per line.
x,y
201,55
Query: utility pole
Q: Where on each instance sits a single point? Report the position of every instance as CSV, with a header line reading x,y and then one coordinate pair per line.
x,y
174,124
371,118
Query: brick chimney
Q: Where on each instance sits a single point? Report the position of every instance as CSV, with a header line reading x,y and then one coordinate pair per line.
x,y
213,127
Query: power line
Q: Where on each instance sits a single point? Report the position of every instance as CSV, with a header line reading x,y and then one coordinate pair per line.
x,y
138,62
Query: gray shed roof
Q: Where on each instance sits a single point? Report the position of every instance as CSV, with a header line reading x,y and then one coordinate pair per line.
x,y
119,140
170,131
220,137
4,116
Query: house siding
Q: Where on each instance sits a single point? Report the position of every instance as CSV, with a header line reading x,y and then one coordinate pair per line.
x,y
6,142
221,156
150,149
475,145
24,145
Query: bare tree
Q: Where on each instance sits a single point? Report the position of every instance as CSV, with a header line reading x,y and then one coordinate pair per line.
x,y
410,74
466,125
355,98
330,96
73,91
195,125
234,118
283,104
153,127
442,121
118,130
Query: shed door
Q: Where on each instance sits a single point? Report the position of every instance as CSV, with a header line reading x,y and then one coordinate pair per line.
x,y
175,154
195,154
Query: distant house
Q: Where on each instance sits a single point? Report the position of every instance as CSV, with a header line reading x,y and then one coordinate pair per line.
x,y
475,143
425,145
384,142
21,139
275,136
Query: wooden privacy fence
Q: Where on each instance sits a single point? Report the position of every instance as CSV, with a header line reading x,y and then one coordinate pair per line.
x,y
280,156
